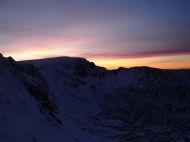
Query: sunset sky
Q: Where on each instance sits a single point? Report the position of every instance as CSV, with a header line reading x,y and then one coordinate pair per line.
x,y
111,33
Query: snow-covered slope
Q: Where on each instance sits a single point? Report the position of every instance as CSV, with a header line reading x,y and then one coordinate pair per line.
x,y
73,100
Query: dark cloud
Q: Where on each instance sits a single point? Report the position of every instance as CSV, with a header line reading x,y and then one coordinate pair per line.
x,y
159,53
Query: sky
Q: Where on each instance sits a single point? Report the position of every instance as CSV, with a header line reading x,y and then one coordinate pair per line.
x,y
111,33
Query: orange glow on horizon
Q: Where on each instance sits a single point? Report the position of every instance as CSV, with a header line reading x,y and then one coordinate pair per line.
x,y
109,62
39,53
170,62
167,62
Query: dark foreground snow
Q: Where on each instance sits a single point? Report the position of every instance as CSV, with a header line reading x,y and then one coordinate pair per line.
x,y
72,100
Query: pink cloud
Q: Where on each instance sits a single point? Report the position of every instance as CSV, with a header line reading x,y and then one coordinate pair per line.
x,y
160,53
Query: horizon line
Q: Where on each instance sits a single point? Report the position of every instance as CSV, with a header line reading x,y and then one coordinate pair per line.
x,y
108,68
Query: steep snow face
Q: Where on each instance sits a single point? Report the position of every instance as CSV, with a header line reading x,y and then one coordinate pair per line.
x,y
71,99
27,114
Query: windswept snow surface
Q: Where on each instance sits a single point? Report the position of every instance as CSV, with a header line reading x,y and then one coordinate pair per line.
x,y
68,99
